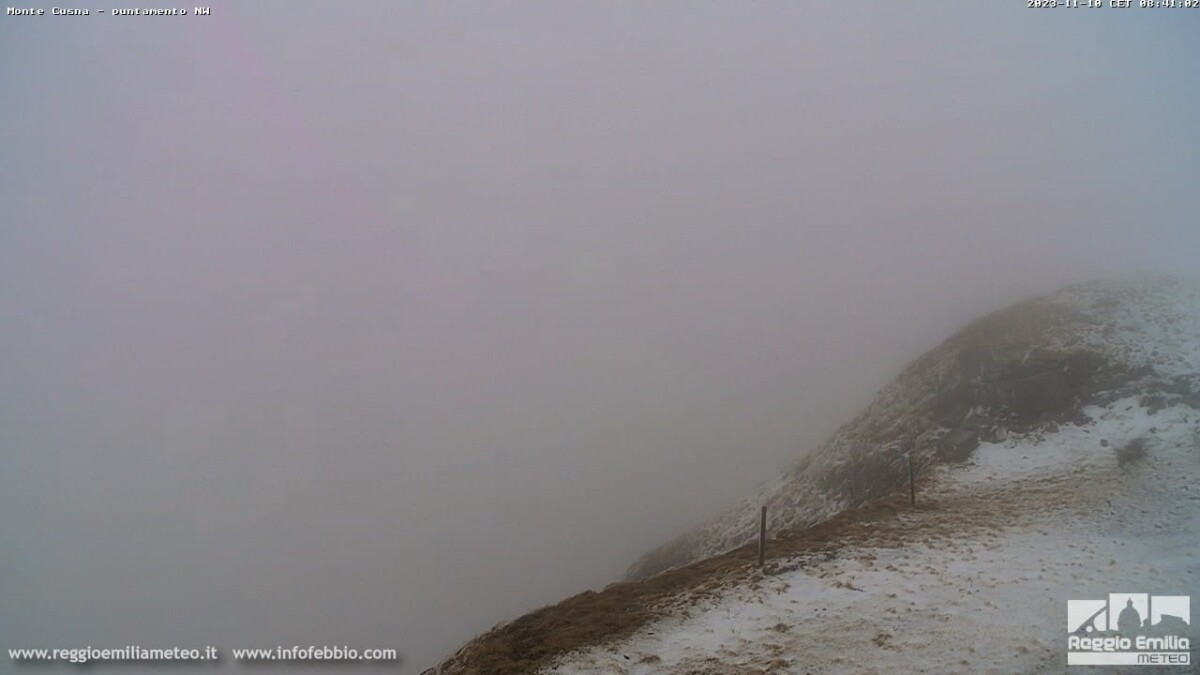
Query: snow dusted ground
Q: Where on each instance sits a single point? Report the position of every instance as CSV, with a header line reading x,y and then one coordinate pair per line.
x,y
1073,447
974,580
1145,320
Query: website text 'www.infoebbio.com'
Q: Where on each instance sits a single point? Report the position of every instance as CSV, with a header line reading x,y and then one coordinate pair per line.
x,y
132,654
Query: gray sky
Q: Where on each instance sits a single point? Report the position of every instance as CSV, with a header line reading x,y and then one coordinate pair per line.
x,y
374,324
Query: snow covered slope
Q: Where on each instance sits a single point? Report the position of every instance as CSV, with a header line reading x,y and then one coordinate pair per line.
x,y
974,580
1024,370
1058,448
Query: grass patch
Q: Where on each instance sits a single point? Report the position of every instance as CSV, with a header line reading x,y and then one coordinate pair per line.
x,y
532,641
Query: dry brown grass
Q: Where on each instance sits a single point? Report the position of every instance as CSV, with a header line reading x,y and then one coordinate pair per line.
x,y
592,618
589,618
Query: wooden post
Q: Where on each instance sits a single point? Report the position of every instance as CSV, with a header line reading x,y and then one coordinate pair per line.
x,y
912,484
762,536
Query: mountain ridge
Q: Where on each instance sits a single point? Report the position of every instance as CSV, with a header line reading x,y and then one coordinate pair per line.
x,y
1027,416
1030,366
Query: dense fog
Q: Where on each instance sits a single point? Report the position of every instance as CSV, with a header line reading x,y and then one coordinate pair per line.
x,y
377,323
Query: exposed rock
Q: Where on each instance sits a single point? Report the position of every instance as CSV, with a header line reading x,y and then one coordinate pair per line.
x,y
958,445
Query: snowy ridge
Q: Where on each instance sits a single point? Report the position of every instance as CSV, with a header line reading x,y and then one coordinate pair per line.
x,y
1027,368
1148,322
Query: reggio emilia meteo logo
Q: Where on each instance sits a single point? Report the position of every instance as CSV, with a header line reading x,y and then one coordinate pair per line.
x,y
1130,629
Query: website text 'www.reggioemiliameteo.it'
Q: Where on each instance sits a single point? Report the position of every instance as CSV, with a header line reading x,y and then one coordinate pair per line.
x,y
132,654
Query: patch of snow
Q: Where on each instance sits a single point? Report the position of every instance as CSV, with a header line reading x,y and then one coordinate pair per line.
x,y
1112,426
